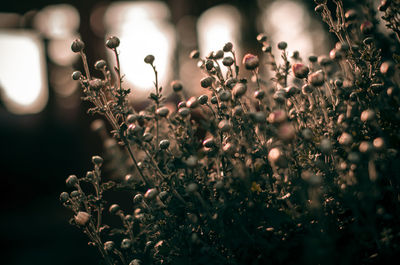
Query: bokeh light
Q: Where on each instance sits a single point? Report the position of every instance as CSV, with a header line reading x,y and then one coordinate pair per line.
x,y
23,78
143,29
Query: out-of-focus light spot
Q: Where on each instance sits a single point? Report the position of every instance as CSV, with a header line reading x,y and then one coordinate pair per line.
x,y
57,21
23,78
9,20
288,21
217,26
143,29
59,51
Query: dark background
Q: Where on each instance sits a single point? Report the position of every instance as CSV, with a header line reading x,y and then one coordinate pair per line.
x,y
39,151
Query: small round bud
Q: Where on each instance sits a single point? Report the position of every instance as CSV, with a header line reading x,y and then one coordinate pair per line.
x,y
100,64
227,61
224,125
147,137
184,112
324,60
278,116
237,111
206,81
218,54
250,61
367,115
239,90
95,84
151,194
133,129
274,155
209,65
192,103
286,131
214,100
76,75
112,42
195,54
82,218
114,209
162,112
262,38
259,94
109,246
131,118
181,104
230,82
138,198
176,85
306,89
149,59
77,45
97,160
164,144
387,68
300,70
295,55
282,45
313,58
366,27
317,78
227,47
307,134
338,83
72,181
64,196
266,48
225,95
126,243
75,194
209,142
202,99
378,144
365,147
129,178
345,139
291,91
192,188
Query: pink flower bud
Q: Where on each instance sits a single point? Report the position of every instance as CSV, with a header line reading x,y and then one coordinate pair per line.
x,y
250,61
82,218
300,70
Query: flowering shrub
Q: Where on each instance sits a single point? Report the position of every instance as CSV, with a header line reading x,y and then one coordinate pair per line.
x,y
301,167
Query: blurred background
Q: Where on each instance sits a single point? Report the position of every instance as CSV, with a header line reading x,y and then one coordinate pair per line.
x,y
45,132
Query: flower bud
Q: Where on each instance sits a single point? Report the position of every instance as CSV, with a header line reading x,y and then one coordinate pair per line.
x,y
100,64
162,112
259,94
112,42
151,194
95,84
325,146
192,103
224,125
282,45
218,55
209,65
214,100
76,75
64,196
306,89
109,246
149,59
97,160
266,48
300,70
345,139
230,82
286,132
72,181
82,218
138,198
176,85
126,243
209,142
262,38
227,47
206,81
164,144
191,161
274,155
378,144
313,58
317,78
77,45
366,27
184,112
278,116
195,54
114,209
227,61
365,147
135,262
387,68
367,115
129,178
250,61
225,95
147,137
239,90
202,99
